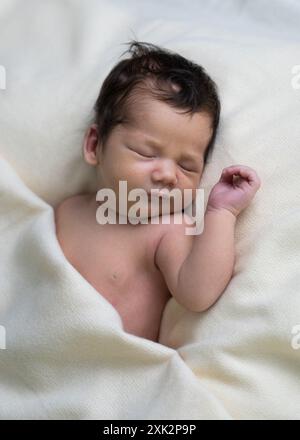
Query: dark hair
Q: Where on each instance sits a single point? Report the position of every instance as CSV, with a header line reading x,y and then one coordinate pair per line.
x,y
155,72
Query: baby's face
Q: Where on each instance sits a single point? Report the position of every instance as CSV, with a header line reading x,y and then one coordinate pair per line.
x,y
163,149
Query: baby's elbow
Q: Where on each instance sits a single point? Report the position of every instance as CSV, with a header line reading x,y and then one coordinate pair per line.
x,y
205,299
198,308
193,304
201,301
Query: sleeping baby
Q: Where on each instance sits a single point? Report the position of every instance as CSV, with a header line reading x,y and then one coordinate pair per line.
x,y
156,119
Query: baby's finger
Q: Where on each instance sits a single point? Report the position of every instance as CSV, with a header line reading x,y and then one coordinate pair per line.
x,y
241,170
237,168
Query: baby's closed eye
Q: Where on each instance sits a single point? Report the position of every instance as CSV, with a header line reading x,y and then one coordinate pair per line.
x,y
188,167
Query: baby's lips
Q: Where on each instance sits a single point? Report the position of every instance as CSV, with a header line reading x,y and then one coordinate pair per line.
x,y
162,192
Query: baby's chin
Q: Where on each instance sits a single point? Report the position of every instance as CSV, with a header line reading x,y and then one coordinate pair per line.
x,y
141,211
135,216
153,213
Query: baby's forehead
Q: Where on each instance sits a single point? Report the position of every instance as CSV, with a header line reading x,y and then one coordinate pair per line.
x,y
163,113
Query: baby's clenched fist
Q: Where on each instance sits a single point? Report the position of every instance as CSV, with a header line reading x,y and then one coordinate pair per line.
x,y
234,191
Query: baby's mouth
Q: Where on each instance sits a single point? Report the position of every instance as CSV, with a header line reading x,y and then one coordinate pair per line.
x,y
164,193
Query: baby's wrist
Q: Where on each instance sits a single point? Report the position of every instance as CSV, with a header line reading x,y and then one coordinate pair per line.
x,y
222,211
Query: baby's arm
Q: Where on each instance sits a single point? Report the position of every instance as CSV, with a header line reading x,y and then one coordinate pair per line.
x,y
209,266
198,269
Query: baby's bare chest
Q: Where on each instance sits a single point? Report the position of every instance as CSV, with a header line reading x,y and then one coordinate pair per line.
x,y
118,263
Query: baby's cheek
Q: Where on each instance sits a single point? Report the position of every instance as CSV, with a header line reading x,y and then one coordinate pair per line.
x,y
138,172
129,173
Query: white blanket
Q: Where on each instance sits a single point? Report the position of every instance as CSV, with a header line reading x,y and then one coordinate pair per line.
x,y
63,351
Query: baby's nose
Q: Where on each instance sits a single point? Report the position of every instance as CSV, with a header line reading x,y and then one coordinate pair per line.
x,y
165,173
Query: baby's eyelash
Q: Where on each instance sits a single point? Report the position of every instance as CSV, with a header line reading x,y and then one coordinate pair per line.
x,y
144,155
141,154
188,169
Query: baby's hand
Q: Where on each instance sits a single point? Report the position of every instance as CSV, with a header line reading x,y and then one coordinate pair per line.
x,y
234,193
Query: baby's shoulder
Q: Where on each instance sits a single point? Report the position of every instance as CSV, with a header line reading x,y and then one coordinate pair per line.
x,y
174,225
175,222
69,204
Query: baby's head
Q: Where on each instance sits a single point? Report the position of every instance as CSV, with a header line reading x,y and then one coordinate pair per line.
x,y
157,116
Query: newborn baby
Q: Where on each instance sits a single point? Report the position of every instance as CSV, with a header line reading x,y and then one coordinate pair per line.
x,y
156,120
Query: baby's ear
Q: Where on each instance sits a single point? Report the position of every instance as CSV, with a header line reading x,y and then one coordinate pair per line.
x,y
90,145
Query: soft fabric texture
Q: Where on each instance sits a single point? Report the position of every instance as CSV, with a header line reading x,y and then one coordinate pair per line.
x,y
66,354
